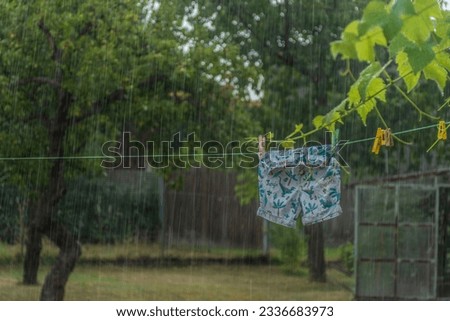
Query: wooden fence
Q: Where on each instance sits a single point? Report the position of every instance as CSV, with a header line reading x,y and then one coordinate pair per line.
x,y
206,212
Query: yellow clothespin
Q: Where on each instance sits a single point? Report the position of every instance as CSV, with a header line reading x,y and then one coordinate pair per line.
x,y
388,140
378,141
442,130
261,145
383,138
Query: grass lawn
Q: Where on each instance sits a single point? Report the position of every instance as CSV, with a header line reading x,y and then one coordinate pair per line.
x,y
207,282
106,281
10,253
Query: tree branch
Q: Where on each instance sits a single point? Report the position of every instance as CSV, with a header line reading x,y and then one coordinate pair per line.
x,y
57,53
117,95
37,116
97,106
40,80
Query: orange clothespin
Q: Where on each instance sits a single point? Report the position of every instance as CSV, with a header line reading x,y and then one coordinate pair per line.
x,y
378,141
261,145
388,140
442,130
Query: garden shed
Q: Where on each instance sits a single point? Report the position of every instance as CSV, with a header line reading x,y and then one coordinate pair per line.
x,y
402,241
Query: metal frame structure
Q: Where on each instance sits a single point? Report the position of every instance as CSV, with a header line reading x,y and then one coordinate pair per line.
x,y
391,263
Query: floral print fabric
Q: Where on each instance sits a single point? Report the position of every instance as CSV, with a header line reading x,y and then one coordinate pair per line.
x,y
302,182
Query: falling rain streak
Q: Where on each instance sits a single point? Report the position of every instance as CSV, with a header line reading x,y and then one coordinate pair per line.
x,y
95,94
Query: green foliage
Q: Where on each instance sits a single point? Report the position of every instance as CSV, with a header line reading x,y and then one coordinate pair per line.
x,y
414,34
96,210
286,43
83,51
385,58
347,256
102,211
365,92
329,120
292,246
246,189
405,71
10,216
120,68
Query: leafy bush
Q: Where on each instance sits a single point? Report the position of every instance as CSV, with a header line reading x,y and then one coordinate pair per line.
x,y
102,211
11,200
292,246
96,210
347,256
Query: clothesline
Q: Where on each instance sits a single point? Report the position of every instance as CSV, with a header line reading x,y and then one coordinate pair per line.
x,y
87,157
407,131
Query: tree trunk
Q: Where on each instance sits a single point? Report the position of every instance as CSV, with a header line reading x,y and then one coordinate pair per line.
x,y
70,251
316,253
33,252
43,218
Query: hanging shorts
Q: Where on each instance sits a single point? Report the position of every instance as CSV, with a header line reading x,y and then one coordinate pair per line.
x,y
303,182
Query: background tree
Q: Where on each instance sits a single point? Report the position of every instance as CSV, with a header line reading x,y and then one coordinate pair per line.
x,y
74,74
402,41
289,41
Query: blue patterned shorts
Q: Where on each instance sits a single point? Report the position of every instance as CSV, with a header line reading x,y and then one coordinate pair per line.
x,y
301,182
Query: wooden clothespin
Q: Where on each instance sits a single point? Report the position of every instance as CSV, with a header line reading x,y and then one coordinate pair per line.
x,y
442,130
378,141
261,146
388,140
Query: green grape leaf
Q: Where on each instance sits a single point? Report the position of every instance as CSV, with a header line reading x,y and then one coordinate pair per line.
x,y
353,94
399,43
346,46
427,8
443,28
419,56
341,107
365,109
443,59
318,121
351,30
375,14
392,26
402,8
417,29
367,75
405,71
329,120
437,73
376,89
358,90
365,45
